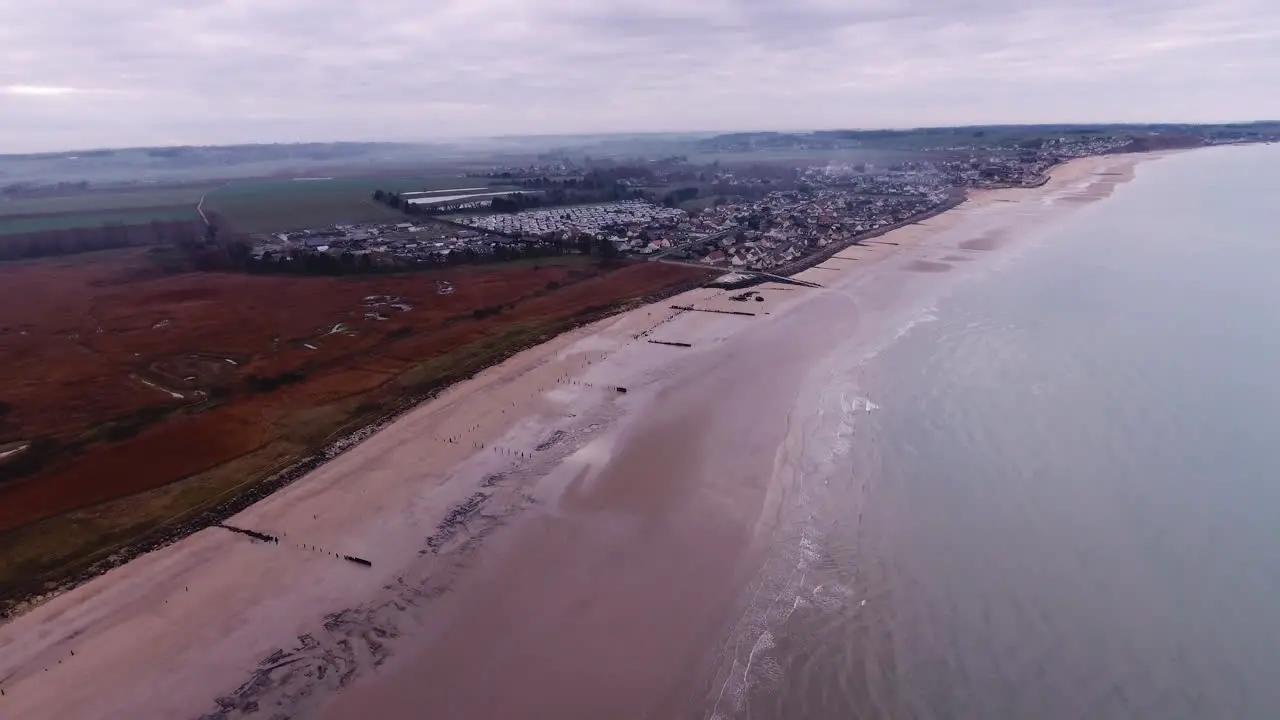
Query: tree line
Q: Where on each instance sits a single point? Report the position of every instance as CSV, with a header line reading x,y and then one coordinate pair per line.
x,y
235,255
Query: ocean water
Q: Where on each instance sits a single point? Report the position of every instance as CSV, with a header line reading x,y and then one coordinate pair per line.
x,y
1058,495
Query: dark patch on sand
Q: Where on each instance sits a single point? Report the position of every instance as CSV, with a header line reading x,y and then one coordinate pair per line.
x,y
555,438
454,522
988,241
957,258
927,266
352,643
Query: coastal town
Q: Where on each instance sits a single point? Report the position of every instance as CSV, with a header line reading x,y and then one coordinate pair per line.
x,y
774,217
764,235
247,454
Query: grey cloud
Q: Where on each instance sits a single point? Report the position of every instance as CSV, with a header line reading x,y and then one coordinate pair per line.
x,y
278,70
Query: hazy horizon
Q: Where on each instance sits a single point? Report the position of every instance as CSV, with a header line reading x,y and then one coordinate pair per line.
x,y
479,139
217,72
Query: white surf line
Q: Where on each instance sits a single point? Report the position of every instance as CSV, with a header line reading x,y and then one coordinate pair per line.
x,y
14,451
729,676
769,641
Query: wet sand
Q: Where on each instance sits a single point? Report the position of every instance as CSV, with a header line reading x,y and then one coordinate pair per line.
x,y
542,545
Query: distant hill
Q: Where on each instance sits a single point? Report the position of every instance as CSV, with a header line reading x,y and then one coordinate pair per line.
x,y
990,136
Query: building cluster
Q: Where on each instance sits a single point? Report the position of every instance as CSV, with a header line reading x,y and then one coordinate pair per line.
x,y
382,243
768,234
1074,148
995,172
786,227
588,218
766,229
1026,167
965,167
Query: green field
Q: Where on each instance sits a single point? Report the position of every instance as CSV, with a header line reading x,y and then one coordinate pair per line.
x,y
160,197
93,209
94,219
263,205
272,205
700,203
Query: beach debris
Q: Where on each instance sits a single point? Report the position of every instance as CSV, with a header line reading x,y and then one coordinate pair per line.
x,y
251,533
309,346
672,344
709,310
161,324
861,403
444,287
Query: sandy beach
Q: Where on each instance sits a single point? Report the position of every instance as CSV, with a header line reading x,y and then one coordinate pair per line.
x,y
570,534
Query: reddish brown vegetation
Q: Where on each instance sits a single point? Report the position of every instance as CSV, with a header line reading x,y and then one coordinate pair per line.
x,y
78,338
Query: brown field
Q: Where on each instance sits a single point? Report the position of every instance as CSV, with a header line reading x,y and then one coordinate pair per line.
x,y
160,394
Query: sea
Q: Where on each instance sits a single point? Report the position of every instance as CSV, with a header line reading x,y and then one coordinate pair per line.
x,y
1056,493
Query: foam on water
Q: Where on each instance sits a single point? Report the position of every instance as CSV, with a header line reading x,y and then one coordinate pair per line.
x,y
1039,500
873,350
817,448
818,457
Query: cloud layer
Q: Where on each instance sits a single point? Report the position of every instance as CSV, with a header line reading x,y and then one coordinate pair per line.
x,y
83,73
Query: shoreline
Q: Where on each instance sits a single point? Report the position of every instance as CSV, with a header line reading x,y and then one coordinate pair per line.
x,y
344,441
347,439
126,624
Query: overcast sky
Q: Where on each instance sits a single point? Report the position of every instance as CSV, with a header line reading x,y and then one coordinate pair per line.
x,y
94,73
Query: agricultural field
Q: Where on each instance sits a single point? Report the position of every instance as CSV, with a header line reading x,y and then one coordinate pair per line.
x,y
95,208
134,400
247,206
92,219
109,199
271,205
